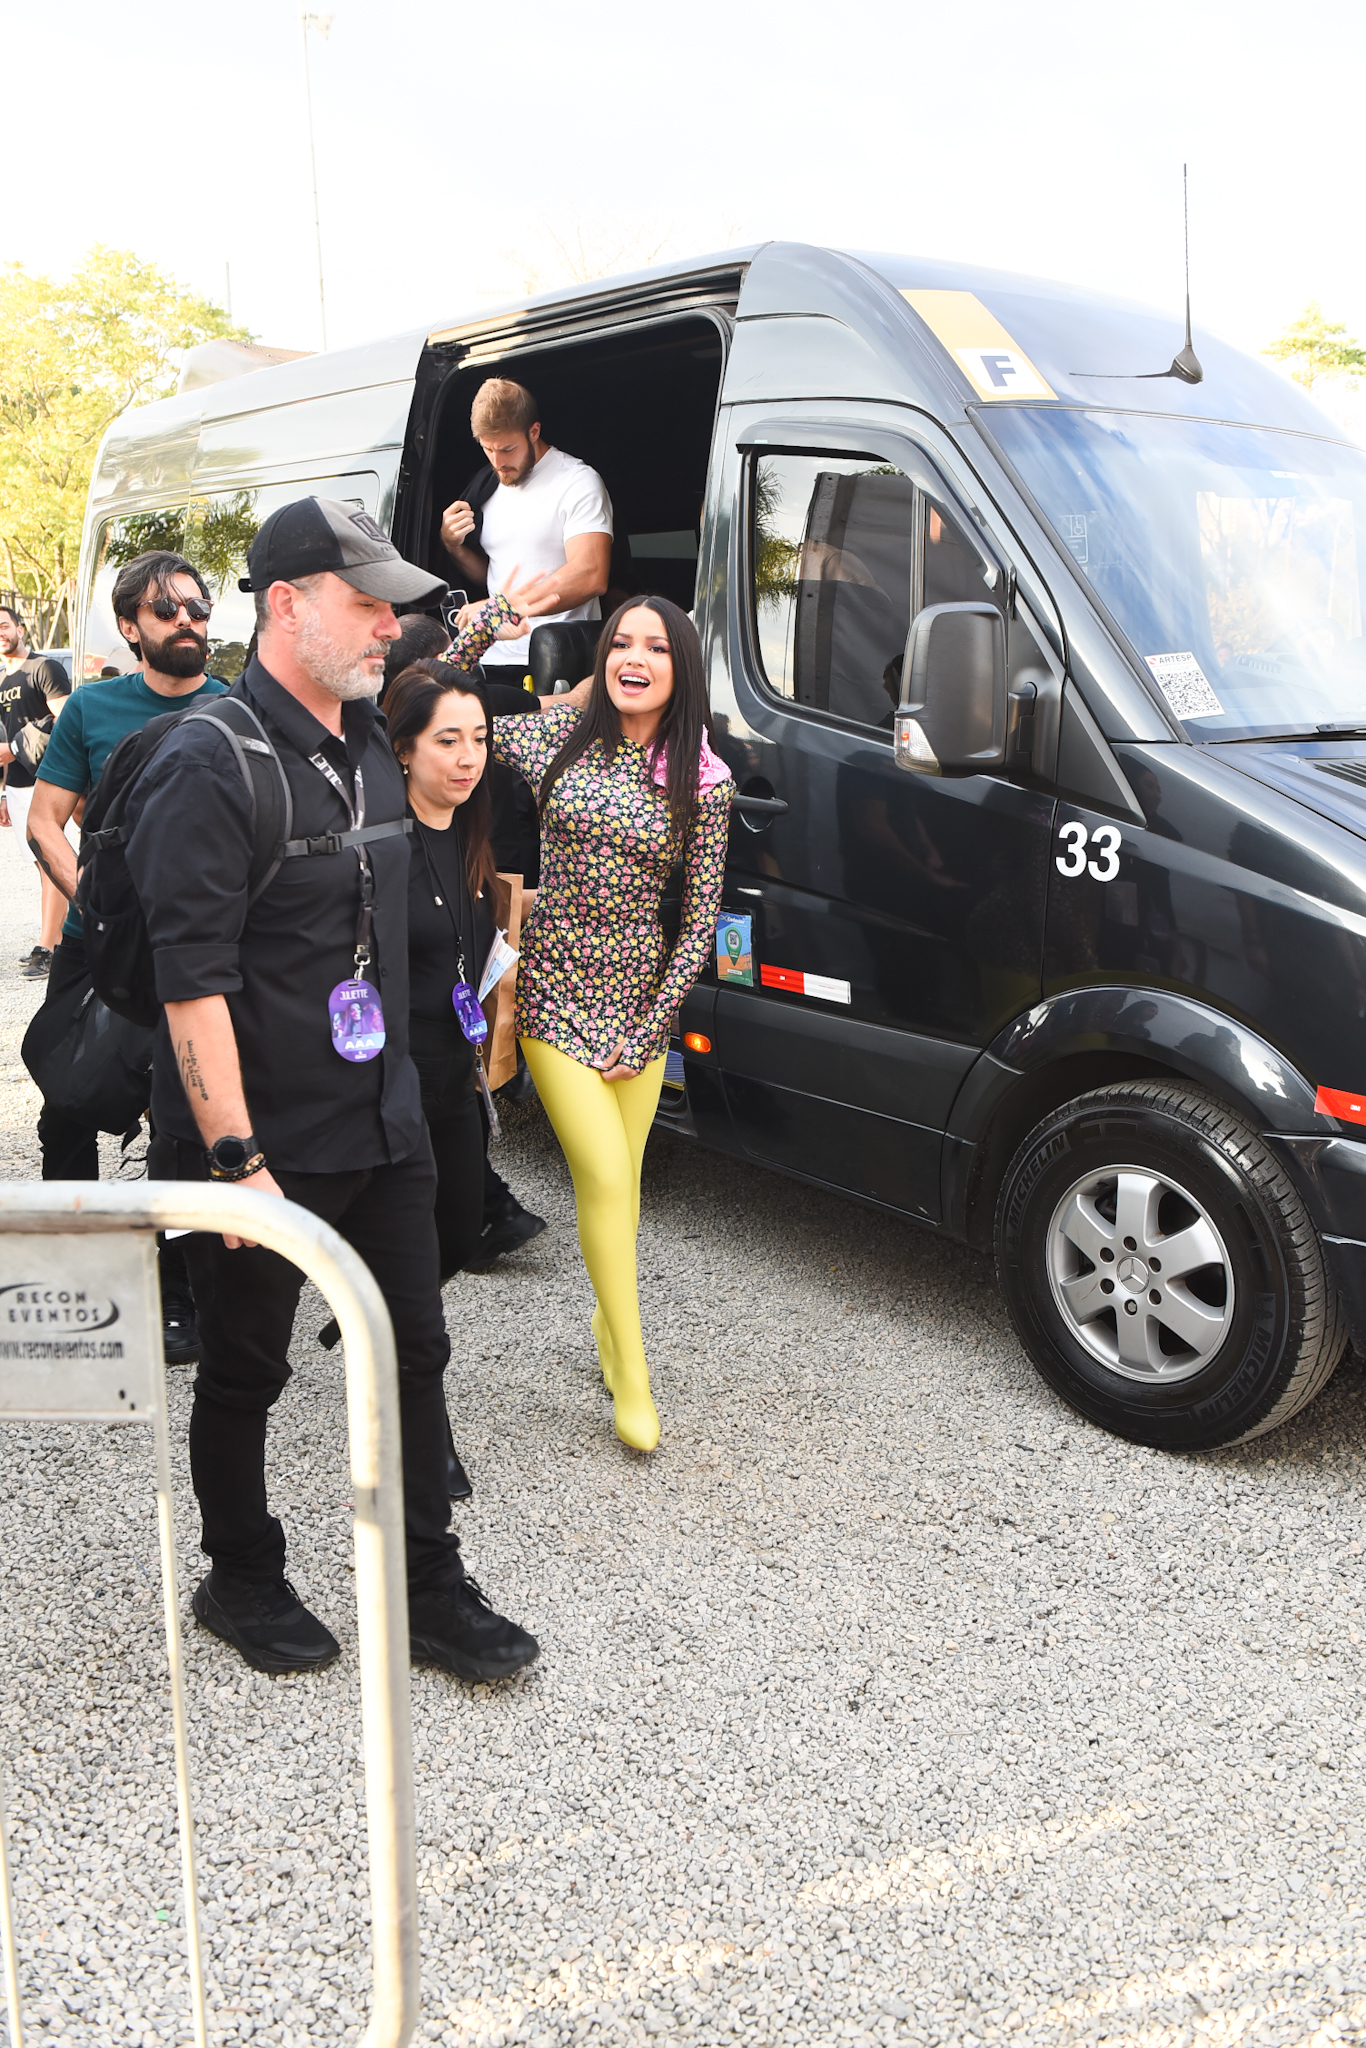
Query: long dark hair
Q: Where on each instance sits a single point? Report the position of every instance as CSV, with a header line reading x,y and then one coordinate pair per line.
x,y
686,720
410,704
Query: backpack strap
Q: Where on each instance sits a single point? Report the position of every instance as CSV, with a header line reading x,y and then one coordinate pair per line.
x,y
333,842
272,806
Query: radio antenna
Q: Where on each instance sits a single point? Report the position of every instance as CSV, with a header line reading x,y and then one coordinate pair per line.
x,y
1185,365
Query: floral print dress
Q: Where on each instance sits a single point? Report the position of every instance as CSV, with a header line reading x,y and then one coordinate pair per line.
x,y
595,968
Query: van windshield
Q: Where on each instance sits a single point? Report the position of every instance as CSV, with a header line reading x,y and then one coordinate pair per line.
x,y
1232,558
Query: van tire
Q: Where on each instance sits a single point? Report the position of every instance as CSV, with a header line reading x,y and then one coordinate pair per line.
x,y
1270,1329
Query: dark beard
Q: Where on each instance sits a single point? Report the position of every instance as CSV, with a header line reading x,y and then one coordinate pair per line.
x,y
180,658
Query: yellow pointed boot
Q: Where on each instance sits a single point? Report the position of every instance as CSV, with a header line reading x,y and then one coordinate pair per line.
x,y
634,1409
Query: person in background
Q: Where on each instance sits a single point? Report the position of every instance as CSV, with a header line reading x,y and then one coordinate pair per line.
x,y
162,606
535,510
422,637
628,788
255,1082
32,693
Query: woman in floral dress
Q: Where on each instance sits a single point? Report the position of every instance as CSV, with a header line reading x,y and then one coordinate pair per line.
x,y
628,788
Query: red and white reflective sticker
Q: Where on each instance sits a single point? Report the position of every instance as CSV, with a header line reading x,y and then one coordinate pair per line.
x,y
798,984
1341,1103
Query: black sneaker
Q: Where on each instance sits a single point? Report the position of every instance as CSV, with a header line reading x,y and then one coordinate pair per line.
x,y
508,1227
266,1621
27,959
179,1328
458,1630
38,965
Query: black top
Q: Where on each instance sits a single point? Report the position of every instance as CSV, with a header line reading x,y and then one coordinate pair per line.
x,y
189,853
25,695
437,870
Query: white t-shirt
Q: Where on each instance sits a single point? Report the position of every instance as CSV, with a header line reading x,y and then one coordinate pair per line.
x,y
526,526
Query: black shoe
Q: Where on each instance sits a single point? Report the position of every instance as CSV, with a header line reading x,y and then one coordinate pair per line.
x,y
179,1329
38,965
266,1620
38,952
458,1630
457,1478
507,1226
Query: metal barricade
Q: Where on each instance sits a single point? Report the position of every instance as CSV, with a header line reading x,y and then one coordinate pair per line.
x,y
80,1341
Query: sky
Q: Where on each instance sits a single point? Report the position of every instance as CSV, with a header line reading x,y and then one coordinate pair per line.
x,y
457,146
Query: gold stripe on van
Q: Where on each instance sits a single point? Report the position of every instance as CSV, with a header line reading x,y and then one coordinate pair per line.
x,y
991,360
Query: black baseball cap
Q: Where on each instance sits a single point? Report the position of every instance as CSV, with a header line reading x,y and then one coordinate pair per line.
x,y
317,534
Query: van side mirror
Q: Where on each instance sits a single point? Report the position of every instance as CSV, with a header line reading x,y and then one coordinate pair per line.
x,y
953,690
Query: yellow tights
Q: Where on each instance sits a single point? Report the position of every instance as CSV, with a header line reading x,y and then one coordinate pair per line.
x,y
602,1127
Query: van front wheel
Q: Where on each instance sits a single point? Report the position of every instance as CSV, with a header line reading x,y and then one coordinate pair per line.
x,y
1161,1270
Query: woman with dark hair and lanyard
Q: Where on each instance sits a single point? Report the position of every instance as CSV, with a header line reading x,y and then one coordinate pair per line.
x,y
439,726
629,789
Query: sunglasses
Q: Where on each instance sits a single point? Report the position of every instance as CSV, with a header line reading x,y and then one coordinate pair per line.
x,y
166,608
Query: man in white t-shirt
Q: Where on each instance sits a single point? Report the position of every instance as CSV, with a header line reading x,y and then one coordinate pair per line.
x,y
548,517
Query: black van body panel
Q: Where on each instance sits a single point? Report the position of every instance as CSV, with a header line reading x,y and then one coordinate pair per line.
x,y
808,1088
1169,1030
1231,892
817,323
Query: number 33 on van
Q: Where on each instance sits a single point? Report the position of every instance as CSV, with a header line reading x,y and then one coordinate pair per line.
x,y
1074,836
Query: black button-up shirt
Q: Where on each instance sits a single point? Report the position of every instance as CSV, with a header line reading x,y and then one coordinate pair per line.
x,y
189,853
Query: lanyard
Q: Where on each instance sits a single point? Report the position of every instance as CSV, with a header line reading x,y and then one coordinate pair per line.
x,y
442,895
355,811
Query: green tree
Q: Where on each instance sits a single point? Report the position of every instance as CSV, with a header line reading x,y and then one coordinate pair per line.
x,y
74,355
1317,347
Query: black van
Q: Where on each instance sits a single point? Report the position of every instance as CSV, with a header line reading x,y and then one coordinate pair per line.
x,y
1039,666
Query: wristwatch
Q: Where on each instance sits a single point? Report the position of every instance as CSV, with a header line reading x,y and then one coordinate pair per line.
x,y
234,1158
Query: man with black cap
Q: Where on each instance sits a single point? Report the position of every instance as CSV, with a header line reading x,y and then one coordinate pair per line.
x,y
284,1064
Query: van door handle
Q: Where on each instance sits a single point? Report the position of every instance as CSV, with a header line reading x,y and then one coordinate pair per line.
x,y
759,806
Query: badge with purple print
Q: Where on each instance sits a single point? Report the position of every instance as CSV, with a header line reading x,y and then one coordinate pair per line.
x,y
357,1020
473,1022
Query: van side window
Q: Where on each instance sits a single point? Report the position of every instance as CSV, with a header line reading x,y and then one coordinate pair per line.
x,y
214,531
833,540
844,550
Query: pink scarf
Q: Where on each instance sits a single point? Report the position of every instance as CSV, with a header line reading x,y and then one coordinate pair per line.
x,y
711,769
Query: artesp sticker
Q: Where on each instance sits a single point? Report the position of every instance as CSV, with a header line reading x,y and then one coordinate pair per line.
x,y
1185,685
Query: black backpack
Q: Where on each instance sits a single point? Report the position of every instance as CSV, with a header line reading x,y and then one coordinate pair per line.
x,y
117,947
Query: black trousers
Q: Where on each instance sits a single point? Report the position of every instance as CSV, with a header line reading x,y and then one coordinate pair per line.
x,y
454,1109
70,1147
246,1302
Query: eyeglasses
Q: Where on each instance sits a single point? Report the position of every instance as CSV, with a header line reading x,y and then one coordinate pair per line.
x,y
166,608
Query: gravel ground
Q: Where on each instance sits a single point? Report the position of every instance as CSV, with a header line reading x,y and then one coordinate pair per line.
x,y
886,1702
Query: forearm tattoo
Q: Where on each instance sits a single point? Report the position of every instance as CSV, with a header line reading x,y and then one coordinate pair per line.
x,y
190,1075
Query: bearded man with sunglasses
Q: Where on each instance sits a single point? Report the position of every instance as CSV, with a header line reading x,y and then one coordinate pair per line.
x,y
162,606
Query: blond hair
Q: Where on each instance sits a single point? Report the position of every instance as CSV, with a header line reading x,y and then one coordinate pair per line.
x,y
500,405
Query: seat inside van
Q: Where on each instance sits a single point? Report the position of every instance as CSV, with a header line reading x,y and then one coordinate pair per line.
x,y
638,407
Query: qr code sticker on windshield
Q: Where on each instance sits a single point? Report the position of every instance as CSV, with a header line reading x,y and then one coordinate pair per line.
x,y
1185,685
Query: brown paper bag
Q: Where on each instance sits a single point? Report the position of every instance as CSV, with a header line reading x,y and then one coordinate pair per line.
x,y
500,1047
